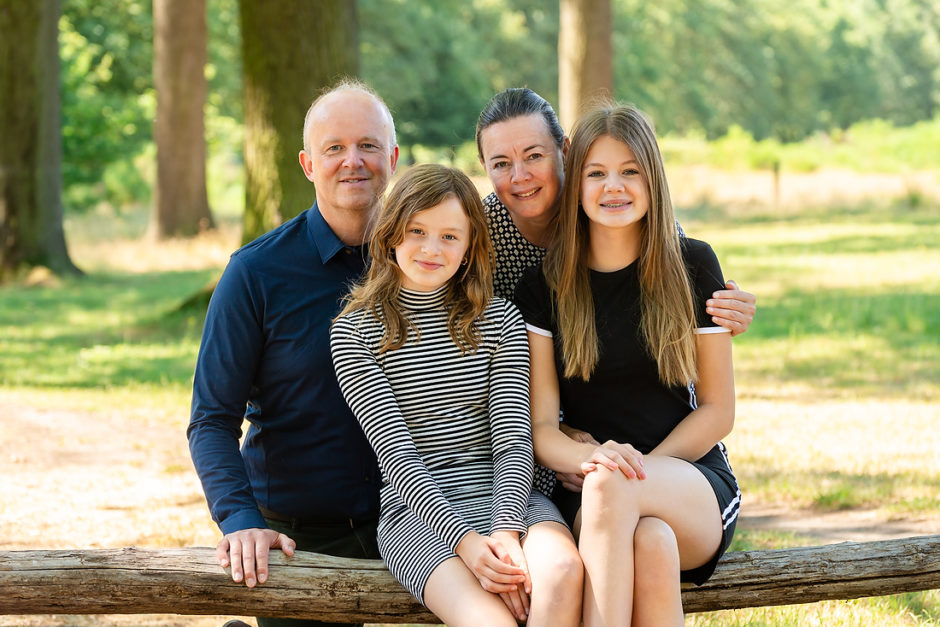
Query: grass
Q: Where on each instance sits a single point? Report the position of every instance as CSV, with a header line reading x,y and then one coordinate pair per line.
x,y
838,378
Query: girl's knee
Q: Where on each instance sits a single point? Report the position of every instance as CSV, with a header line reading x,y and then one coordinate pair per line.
x,y
608,494
656,551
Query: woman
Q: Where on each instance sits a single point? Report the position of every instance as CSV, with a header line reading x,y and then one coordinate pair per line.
x,y
436,371
522,148
619,337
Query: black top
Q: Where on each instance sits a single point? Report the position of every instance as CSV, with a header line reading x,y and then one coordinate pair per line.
x,y
624,400
265,357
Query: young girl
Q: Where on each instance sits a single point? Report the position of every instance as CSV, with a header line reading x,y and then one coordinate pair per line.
x,y
436,371
619,337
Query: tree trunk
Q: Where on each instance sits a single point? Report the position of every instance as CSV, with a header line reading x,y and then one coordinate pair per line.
x,y
31,232
310,585
585,56
181,205
291,49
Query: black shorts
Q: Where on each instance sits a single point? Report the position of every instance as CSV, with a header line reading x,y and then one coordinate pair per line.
x,y
714,465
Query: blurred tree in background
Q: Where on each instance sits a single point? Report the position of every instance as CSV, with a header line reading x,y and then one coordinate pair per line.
x,y
781,69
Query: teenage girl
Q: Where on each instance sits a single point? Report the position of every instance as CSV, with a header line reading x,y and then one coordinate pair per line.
x,y
436,370
619,338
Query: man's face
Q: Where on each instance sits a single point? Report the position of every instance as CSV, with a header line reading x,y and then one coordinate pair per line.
x,y
351,156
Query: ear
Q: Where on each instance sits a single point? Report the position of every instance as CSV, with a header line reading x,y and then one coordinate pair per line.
x,y
307,164
565,145
394,157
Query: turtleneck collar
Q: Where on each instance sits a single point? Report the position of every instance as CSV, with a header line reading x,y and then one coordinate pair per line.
x,y
418,301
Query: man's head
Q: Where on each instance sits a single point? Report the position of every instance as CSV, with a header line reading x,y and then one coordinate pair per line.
x,y
349,149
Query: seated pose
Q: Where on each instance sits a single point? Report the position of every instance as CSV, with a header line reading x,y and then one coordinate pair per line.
x,y
619,337
436,371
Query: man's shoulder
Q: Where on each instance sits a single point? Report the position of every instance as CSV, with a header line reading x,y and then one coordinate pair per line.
x,y
284,241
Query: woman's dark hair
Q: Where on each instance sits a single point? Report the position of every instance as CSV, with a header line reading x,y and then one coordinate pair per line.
x,y
513,103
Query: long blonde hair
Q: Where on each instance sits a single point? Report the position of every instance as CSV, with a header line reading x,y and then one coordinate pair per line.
x,y
667,315
469,290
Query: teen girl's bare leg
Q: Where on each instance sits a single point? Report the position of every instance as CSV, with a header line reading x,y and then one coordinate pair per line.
x,y
455,596
612,506
557,575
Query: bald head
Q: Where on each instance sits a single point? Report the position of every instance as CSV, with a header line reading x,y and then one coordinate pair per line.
x,y
352,89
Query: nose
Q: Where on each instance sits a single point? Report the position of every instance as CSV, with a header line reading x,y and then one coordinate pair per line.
x,y
614,183
353,158
519,172
430,247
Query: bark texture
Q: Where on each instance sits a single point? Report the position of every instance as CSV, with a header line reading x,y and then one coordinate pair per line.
x,y
31,232
585,57
291,50
181,204
309,585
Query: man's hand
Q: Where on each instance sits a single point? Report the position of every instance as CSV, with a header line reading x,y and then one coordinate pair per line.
x,y
249,553
732,308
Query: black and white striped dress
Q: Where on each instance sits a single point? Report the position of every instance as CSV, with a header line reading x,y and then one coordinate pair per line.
x,y
451,431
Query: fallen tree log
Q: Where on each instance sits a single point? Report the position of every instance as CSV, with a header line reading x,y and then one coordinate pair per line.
x,y
309,585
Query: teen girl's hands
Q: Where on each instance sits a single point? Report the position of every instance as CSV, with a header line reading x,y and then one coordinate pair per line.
x,y
518,599
732,308
491,563
616,456
573,481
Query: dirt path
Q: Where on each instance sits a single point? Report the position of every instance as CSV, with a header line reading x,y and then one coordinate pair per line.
x,y
92,479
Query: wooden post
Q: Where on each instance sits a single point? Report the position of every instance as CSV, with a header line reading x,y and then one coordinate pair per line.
x,y
309,585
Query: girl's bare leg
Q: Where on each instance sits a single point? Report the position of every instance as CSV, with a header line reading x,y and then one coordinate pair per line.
x,y
657,595
612,506
456,597
557,575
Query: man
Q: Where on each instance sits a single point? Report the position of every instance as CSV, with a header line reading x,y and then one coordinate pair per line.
x,y
306,477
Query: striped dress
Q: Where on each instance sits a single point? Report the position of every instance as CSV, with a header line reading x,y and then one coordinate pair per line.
x,y
451,431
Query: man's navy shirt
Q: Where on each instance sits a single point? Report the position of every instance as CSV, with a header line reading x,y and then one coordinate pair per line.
x,y
265,357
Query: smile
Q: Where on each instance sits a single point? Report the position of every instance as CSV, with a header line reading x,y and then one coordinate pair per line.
x,y
528,194
616,204
429,265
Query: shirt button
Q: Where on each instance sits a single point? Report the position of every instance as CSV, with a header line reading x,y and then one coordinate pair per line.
x,y
348,251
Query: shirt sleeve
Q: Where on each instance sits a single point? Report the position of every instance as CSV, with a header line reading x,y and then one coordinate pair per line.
x,y
232,342
510,429
370,396
533,298
706,277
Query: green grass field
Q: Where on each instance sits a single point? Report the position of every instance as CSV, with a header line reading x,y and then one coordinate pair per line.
x,y
838,379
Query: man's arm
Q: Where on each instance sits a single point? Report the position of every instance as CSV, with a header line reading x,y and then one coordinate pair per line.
x,y
231,348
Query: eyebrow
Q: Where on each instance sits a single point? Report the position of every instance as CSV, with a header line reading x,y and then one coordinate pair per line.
x,y
601,165
526,149
337,140
412,222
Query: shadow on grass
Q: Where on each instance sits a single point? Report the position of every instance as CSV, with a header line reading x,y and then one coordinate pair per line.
x,y
100,331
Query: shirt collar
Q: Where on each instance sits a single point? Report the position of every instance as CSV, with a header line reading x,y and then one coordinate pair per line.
x,y
328,245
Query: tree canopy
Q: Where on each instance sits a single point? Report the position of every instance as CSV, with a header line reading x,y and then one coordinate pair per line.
x,y
782,69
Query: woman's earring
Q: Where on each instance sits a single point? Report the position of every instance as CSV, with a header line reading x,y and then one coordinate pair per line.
x,y
464,261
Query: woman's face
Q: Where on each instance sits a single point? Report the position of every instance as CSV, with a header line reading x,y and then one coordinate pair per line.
x,y
524,165
614,191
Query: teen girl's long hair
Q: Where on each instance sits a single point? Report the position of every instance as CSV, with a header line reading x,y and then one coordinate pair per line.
x,y
469,290
667,315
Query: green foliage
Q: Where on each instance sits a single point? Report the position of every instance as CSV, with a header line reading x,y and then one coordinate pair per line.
x,y
762,75
436,64
869,146
107,99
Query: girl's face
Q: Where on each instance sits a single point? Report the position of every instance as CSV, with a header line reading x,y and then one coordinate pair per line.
x,y
614,192
435,243
524,165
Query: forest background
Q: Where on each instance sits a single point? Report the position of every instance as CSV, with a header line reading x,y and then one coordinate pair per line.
x,y
802,140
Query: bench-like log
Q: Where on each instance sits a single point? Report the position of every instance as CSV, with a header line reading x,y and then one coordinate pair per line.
x,y
309,585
